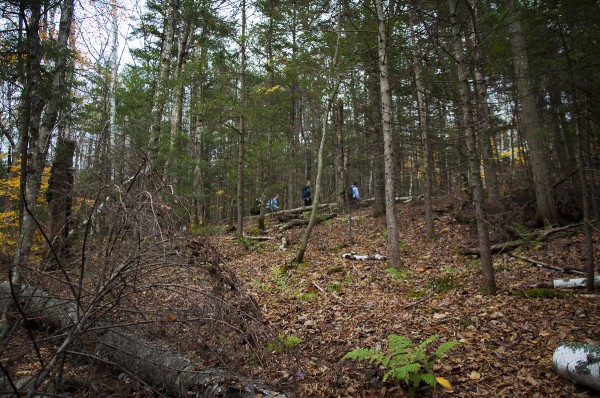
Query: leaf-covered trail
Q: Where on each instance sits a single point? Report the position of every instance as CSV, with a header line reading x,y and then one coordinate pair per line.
x,y
336,305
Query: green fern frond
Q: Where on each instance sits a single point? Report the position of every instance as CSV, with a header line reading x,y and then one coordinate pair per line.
x,y
405,362
402,373
361,354
429,379
444,348
428,340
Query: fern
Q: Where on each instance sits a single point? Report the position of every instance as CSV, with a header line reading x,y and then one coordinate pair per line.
x,y
405,361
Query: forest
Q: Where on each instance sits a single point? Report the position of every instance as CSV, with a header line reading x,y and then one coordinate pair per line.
x,y
435,166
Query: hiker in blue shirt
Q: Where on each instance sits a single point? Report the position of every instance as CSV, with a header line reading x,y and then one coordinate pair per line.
x,y
355,193
306,196
272,204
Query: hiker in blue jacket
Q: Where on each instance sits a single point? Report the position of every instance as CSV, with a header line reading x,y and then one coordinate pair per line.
x,y
272,204
355,193
306,196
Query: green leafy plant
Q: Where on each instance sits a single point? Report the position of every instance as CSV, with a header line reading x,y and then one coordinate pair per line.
x,y
283,342
407,362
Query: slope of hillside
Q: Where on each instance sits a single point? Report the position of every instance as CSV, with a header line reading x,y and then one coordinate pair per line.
x,y
336,305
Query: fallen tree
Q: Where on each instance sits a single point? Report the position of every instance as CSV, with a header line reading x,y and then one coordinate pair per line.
x,y
152,362
142,296
573,283
511,245
549,267
579,363
363,257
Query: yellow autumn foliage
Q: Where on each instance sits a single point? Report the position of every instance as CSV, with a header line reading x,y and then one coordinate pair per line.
x,y
9,215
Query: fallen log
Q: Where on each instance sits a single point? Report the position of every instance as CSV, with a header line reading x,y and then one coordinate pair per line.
x,y
363,257
572,283
539,264
150,361
495,249
578,362
508,246
304,221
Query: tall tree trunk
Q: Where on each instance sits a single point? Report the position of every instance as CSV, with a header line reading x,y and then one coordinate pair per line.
x,y
389,158
242,128
161,90
332,94
563,151
483,114
114,64
532,126
377,165
425,136
39,133
175,144
60,197
489,280
341,180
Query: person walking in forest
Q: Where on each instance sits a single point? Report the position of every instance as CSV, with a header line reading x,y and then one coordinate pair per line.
x,y
306,195
355,192
272,204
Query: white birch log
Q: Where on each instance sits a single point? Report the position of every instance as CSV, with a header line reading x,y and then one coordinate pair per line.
x,y
363,257
578,362
571,283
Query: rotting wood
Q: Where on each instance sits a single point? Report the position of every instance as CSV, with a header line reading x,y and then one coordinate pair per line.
x,y
149,361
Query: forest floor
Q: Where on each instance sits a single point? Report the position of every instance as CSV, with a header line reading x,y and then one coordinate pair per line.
x,y
336,305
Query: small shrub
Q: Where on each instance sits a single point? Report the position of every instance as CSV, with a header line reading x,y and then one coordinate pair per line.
x,y
407,362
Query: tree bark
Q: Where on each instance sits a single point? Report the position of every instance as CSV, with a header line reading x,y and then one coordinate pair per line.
x,y
341,179
425,135
578,362
332,94
242,128
386,114
161,90
483,113
532,126
487,268
576,282
60,196
376,143
37,136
